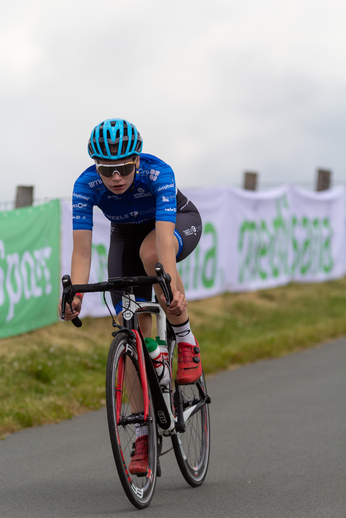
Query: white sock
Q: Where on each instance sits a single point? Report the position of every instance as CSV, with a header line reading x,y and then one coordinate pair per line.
x,y
183,333
141,430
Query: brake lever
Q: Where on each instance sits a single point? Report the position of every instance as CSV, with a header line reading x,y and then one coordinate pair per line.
x,y
164,280
67,298
66,294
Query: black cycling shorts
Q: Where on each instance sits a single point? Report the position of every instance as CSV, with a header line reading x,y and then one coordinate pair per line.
x,y
126,240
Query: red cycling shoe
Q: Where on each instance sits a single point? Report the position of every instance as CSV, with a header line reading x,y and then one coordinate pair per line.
x,y
139,462
189,363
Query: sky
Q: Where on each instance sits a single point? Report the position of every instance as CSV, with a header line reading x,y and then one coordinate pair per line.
x,y
215,88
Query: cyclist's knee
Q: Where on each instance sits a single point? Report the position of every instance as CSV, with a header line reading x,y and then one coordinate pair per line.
x,y
149,257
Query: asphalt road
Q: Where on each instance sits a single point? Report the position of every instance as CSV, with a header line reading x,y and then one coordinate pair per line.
x,y
278,451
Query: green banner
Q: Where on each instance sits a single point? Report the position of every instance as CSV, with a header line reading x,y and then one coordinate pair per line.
x,y
29,268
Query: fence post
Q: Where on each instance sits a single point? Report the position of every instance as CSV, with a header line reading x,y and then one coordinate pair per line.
x,y
323,179
250,181
24,196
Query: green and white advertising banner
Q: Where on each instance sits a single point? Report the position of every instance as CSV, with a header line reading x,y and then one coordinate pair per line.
x,y
29,268
286,234
267,239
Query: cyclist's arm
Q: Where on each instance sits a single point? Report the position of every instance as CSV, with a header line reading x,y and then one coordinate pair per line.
x,y
81,256
80,268
165,246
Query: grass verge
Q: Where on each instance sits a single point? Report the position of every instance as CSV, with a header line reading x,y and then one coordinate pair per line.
x,y
59,371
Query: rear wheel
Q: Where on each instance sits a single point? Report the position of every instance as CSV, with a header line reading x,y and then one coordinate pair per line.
x,y
124,397
192,447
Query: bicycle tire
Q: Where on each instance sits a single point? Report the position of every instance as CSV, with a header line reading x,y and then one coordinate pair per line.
x,y
192,447
122,376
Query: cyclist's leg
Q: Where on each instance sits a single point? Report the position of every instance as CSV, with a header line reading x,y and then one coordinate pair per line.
x,y
187,234
188,230
190,367
123,259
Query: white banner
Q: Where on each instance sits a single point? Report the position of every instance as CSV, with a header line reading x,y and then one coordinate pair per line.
x,y
257,239
272,237
250,241
318,234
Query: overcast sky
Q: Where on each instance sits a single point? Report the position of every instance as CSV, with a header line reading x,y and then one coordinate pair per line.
x,y
214,87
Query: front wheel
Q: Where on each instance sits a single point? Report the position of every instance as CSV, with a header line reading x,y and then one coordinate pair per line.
x,y
192,447
124,396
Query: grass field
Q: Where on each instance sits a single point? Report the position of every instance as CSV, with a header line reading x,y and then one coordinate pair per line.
x,y
59,371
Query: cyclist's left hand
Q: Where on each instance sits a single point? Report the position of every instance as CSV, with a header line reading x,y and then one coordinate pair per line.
x,y
178,304
76,306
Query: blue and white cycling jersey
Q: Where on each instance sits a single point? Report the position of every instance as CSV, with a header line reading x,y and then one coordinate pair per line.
x,y
152,196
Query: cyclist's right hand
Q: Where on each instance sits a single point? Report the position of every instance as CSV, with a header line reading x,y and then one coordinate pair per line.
x,y
76,306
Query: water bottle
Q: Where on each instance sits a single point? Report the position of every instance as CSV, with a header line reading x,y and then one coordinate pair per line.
x,y
164,350
158,359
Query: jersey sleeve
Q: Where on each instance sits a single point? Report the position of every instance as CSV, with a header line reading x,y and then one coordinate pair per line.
x,y
164,189
82,206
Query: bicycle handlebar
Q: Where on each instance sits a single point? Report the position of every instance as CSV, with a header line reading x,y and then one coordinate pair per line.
x,y
116,283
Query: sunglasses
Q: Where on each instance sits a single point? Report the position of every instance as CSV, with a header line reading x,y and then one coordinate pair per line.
x,y
121,169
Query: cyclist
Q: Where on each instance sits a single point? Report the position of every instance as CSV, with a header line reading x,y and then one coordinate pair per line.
x,y
151,221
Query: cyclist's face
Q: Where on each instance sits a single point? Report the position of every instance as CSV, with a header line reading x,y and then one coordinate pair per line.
x,y
116,183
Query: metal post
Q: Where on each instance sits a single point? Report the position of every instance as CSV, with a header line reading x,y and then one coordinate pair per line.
x,y
25,196
323,179
250,181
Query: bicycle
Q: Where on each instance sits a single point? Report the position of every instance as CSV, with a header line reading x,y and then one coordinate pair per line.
x,y
134,395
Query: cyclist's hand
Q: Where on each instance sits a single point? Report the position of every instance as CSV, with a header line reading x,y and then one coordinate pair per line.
x,y
178,304
76,306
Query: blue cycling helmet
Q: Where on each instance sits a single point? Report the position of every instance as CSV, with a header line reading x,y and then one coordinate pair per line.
x,y
113,139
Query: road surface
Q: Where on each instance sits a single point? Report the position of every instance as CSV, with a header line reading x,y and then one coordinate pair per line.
x,y
278,451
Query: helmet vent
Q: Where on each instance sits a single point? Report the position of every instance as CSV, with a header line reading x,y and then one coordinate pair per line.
x,y
114,139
